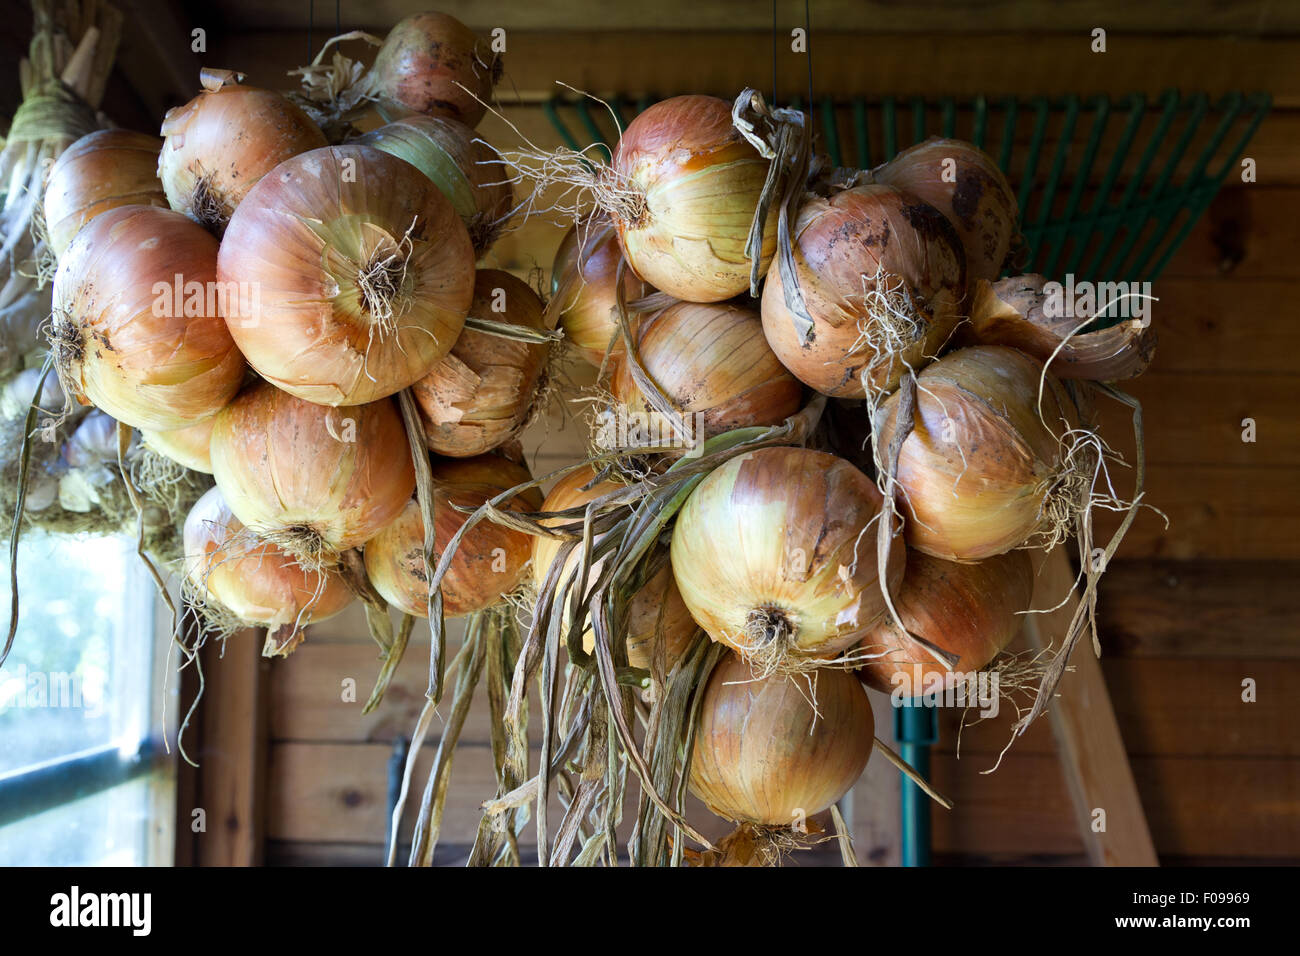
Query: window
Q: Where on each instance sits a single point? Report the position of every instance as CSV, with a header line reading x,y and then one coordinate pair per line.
x,y
79,778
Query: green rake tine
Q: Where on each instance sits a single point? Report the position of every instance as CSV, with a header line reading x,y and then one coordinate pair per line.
x,y
918,120
860,132
1069,229
1231,106
643,103
1008,135
1137,109
888,119
948,112
1130,192
1261,103
1027,176
597,135
1040,239
981,121
1157,194
832,132
616,104
561,127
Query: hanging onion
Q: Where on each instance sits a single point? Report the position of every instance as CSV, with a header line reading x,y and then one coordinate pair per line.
x,y
467,170
314,480
480,394
682,191
882,277
138,327
775,555
432,63
970,610
360,274
584,293
190,446
490,560
657,607
101,171
765,754
221,143
981,473
710,360
966,185
252,579
1020,311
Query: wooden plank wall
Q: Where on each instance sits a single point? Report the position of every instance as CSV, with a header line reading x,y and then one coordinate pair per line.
x,y
1189,612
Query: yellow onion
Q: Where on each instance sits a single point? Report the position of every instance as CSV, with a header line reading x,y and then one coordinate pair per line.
x,y
710,360
254,580
138,327
970,610
221,143
687,184
584,294
467,170
490,560
882,277
313,479
1027,313
480,394
657,607
981,473
432,63
775,555
361,274
966,185
189,446
765,754
101,171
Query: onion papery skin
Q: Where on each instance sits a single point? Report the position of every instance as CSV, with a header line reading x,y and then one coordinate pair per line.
x,y
585,294
975,469
467,170
491,559
701,181
191,447
253,579
656,607
710,359
340,474
763,754
301,241
154,371
847,249
769,539
1015,312
423,63
221,143
979,202
481,393
101,171
971,610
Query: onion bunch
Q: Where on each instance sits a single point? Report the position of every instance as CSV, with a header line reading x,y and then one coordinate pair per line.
x,y
984,470
467,170
491,558
775,555
431,63
189,446
481,393
656,607
221,143
709,360
971,611
312,479
361,274
100,171
881,275
585,290
966,185
765,754
253,580
138,324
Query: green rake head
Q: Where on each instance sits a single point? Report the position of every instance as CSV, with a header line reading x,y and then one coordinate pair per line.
x,y
1108,189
